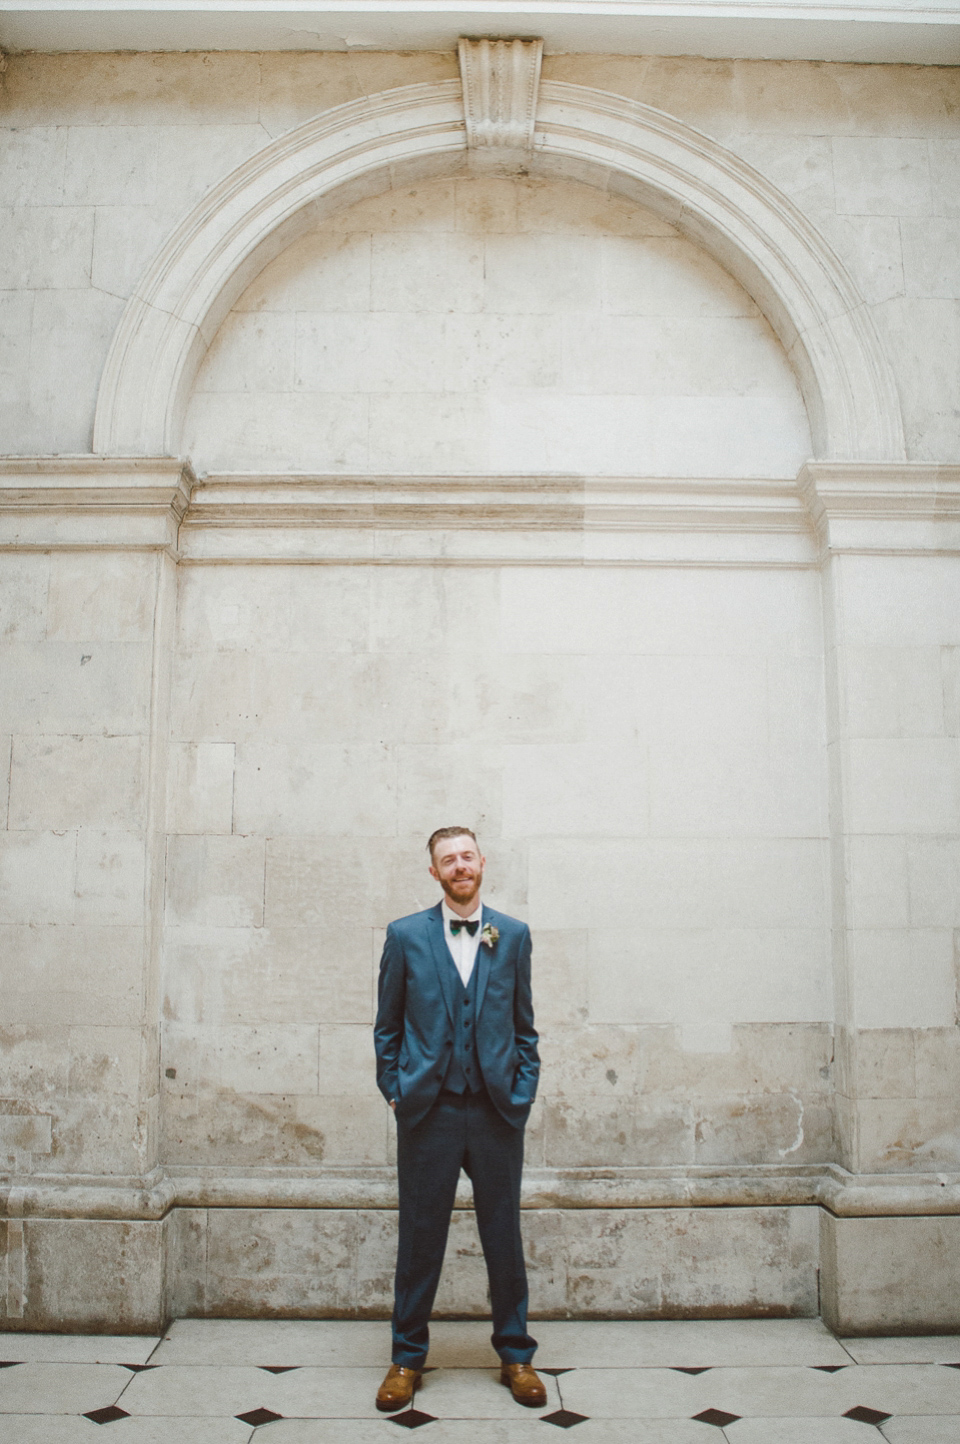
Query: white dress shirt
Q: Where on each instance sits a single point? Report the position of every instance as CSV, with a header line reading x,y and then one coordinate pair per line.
x,y
463,947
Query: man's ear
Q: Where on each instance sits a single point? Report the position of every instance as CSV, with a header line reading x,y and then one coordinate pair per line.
x,y
433,872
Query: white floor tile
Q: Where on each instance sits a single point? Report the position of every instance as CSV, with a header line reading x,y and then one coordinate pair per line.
x,y
334,1393
60,1388
939,1429
47,1429
147,1430
274,1341
78,1348
927,1349
898,1389
688,1342
630,1393
810,1430
179,1390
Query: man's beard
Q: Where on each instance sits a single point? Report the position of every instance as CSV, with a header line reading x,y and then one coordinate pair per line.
x,y
458,898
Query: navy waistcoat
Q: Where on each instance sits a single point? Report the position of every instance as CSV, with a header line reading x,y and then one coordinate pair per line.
x,y
463,1074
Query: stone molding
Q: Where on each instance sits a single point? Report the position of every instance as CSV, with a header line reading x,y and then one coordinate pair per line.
x,y
899,508
364,147
91,501
830,1187
158,502
500,79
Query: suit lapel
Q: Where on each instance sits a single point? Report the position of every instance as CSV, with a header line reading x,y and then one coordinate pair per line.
x,y
482,965
446,972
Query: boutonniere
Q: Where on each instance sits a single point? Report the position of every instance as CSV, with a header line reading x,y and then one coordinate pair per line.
x,y
489,935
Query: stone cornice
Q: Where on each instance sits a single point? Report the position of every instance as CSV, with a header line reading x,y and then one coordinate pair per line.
x,y
827,1186
92,501
877,31
896,507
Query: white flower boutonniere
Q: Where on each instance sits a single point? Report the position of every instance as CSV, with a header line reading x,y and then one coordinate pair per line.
x,y
489,935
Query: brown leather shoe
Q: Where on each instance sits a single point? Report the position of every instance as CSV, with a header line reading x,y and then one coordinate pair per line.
x,y
524,1384
398,1388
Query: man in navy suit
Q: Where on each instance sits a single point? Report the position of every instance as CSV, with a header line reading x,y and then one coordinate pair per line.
x,y
457,1061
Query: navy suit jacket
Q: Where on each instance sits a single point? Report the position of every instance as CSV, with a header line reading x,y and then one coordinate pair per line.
x,y
413,1034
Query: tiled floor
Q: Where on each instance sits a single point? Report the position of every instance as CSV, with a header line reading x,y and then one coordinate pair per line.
x,y
231,1381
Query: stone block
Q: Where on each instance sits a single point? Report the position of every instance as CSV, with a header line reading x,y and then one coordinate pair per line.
x,y
200,787
191,159
592,1062
878,881
110,877
70,335
560,987
45,247
73,688
930,266
22,429
764,1058
294,974
322,271
773,1128
593,1132
903,978
146,89
882,176
101,597
457,780
65,782
294,86
563,789
24,587
86,1276
893,692
945,175
886,1063
32,161
320,788
25,1133
659,612
899,1136
933,880
287,1263
214,881
890,1275
346,1062
64,974
37,877
937,1053
185,1260
907,785
691,1263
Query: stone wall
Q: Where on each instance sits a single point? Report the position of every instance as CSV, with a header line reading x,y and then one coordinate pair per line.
x,y
516,494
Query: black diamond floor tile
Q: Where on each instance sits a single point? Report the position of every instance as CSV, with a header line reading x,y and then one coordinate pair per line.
x,y
108,1415
256,1417
412,1419
828,1368
946,1366
716,1416
685,1369
563,1418
278,1368
863,1415
555,1372
10,1363
139,1368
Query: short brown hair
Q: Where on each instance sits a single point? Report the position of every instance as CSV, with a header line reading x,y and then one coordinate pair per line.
x,y
443,832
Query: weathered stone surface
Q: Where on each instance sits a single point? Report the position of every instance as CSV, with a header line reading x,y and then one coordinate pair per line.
x,y
890,1275
85,1276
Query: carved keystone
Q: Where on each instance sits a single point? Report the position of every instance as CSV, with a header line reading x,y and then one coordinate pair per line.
x,y
500,83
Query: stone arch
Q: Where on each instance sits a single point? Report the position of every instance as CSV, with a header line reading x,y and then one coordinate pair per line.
x,y
415,131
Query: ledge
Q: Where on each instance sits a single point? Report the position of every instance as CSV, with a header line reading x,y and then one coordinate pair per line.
x,y
828,1186
878,31
883,507
89,501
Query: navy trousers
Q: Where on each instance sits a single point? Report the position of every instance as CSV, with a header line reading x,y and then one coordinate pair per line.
x,y
460,1131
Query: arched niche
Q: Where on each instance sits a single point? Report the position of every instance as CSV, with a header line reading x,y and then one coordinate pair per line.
x,y
416,131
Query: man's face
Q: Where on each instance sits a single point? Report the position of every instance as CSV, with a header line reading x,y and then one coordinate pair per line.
x,y
458,868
